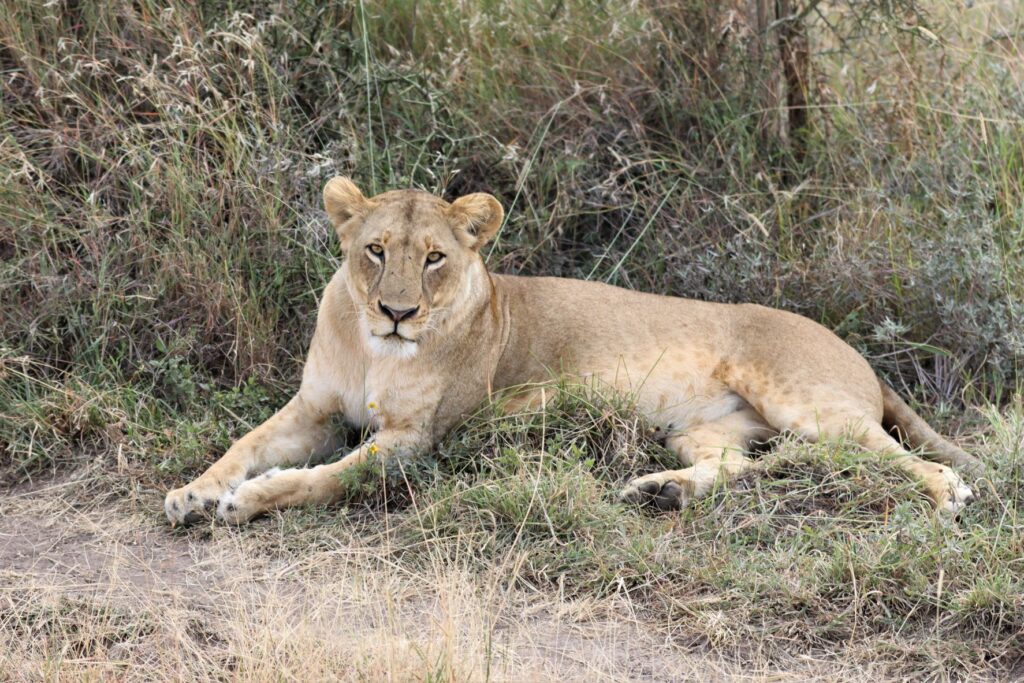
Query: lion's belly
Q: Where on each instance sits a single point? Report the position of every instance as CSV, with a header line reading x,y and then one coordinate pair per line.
x,y
675,392
675,406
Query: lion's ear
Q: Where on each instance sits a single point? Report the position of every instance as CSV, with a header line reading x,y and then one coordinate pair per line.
x,y
475,218
344,204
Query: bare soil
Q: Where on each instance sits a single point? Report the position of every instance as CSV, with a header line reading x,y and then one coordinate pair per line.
x,y
77,557
63,542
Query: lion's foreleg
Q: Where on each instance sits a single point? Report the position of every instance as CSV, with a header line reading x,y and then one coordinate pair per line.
x,y
295,434
307,486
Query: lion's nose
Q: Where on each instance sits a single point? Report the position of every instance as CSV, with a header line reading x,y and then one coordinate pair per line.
x,y
398,315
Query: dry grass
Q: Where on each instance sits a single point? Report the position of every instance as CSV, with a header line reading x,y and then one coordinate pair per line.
x,y
519,566
105,593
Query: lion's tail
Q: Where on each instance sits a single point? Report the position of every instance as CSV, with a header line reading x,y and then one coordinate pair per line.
x,y
918,434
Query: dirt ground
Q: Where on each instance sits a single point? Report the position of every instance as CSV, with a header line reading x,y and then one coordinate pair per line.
x,y
95,585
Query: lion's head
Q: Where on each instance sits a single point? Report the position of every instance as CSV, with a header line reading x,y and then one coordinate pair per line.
x,y
413,260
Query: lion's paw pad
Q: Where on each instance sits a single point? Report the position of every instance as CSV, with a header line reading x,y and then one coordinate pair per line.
x,y
665,496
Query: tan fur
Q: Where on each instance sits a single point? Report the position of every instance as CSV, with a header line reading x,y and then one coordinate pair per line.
x,y
712,377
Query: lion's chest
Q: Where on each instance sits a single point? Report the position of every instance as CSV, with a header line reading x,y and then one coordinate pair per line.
x,y
390,394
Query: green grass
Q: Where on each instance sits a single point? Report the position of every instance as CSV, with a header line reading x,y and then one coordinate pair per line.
x,y
163,249
824,551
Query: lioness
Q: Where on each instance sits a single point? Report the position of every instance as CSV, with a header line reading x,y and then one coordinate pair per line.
x,y
414,333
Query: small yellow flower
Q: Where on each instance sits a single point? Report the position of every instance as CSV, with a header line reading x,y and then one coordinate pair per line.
x,y
372,449
372,405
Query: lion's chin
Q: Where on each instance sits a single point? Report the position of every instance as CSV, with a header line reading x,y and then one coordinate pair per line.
x,y
393,345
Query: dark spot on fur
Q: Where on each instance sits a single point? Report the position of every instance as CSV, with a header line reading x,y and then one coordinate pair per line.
x,y
722,370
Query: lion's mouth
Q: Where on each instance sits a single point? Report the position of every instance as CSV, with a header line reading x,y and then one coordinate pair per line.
x,y
389,340
393,344
394,336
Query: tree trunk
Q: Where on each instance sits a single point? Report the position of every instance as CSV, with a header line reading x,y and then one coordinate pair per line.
x,y
793,53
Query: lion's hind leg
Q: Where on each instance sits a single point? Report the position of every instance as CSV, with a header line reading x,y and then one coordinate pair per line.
x,y
944,486
715,452
948,491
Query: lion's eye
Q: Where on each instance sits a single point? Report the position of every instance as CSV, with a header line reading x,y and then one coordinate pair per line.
x,y
376,250
435,257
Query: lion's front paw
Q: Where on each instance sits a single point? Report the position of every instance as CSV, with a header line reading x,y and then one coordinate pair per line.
x,y
193,502
254,497
665,493
232,510
950,493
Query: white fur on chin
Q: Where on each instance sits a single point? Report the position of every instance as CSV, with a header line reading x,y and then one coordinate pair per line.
x,y
387,347
394,347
